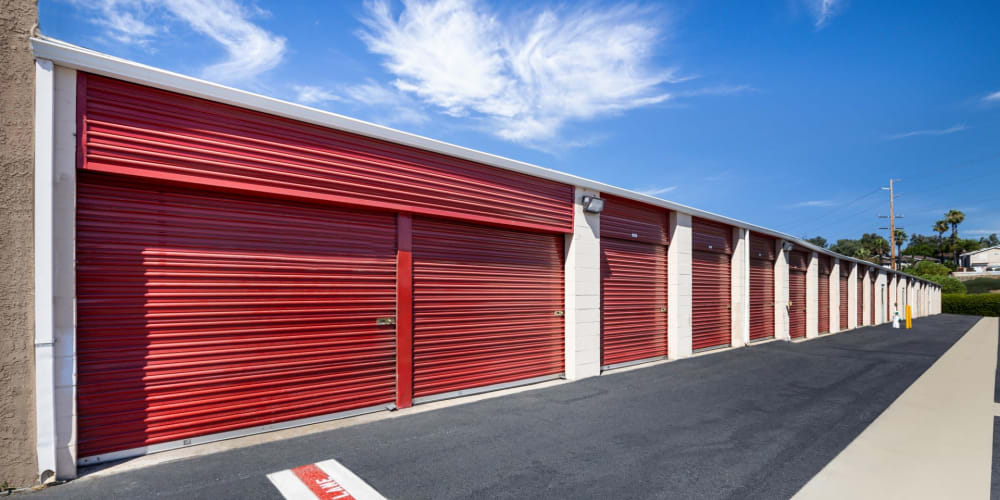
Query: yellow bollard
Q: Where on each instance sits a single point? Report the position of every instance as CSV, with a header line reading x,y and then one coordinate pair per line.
x,y
909,318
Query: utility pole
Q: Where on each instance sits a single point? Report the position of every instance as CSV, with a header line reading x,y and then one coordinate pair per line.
x,y
892,222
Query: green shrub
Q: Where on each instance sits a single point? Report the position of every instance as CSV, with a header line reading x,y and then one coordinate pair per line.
x,y
948,284
976,305
926,268
982,285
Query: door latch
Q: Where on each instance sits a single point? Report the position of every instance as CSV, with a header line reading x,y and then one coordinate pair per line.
x,y
559,313
663,309
385,321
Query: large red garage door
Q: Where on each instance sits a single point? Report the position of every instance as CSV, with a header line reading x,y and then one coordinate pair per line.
x,y
633,282
798,265
487,306
711,286
762,256
860,294
823,293
845,272
200,312
872,277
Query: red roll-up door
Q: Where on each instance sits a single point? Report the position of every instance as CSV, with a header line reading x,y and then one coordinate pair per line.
x,y
823,293
633,282
711,285
860,294
200,312
843,294
872,276
762,256
487,306
633,301
798,263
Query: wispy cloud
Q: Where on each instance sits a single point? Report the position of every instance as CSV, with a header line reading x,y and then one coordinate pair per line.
x,y
250,49
657,191
946,131
815,203
395,107
526,76
310,94
994,97
823,11
716,90
981,232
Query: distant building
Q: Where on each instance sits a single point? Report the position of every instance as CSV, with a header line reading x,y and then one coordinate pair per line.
x,y
981,260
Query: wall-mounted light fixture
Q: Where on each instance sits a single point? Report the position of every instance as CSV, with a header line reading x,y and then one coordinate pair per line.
x,y
593,204
787,246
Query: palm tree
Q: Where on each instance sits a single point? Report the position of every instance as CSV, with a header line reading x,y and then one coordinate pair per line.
x,y
954,218
940,227
900,237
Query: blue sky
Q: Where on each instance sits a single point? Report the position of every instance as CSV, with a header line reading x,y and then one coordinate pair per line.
x,y
789,114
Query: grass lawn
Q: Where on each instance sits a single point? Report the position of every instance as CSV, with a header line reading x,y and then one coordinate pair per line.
x,y
982,285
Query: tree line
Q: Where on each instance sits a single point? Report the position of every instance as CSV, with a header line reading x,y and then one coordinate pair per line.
x,y
873,247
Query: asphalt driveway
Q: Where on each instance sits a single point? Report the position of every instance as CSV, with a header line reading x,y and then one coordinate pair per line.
x,y
757,422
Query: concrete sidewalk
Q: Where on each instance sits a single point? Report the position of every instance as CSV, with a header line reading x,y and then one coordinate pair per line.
x,y
935,441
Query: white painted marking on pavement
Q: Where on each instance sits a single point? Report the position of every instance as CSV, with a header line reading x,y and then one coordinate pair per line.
x,y
324,480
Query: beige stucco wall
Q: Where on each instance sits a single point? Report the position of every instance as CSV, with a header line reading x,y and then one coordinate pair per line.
x,y
17,415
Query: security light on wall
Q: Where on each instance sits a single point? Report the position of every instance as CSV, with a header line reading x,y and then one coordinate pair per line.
x,y
593,204
787,246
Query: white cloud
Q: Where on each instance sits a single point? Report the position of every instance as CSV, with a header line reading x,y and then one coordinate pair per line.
x,y
310,94
525,76
823,10
716,90
250,50
981,232
946,131
994,97
816,203
657,191
394,106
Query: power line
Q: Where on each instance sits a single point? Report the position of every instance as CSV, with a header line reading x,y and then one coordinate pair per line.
x,y
802,221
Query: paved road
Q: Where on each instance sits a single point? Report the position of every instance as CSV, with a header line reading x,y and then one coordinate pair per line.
x,y
748,423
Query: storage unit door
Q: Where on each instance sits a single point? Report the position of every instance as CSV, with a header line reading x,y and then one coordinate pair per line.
x,y
633,301
859,294
200,312
761,299
823,293
843,302
711,298
797,309
487,306
871,310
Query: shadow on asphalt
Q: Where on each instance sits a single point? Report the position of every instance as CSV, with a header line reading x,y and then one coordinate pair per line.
x,y
756,422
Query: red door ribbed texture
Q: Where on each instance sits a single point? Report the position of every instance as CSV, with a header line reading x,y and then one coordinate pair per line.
x,y
484,306
798,264
762,256
711,298
711,288
633,301
843,302
860,295
135,130
761,299
201,312
633,281
872,276
823,293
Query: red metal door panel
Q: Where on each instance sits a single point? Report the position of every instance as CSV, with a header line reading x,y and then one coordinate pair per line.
x,y
843,302
797,298
823,293
134,130
201,312
632,221
711,298
485,304
860,295
872,275
761,299
633,301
